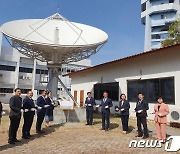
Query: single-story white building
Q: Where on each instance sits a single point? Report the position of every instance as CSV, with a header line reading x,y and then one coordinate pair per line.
x,y
154,73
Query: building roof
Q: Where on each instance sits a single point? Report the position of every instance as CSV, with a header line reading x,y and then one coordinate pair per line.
x,y
146,53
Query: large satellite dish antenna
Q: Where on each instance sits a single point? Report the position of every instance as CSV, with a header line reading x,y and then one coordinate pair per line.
x,y
54,40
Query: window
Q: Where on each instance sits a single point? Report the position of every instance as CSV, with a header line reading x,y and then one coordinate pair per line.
x,y
132,90
167,89
25,70
111,88
38,71
143,7
6,90
155,36
24,91
60,89
39,91
171,1
152,89
7,68
162,16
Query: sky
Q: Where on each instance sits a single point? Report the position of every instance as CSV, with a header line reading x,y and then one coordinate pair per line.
x,y
120,19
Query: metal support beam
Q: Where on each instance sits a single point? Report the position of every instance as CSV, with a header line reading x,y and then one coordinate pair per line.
x,y
67,91
53,83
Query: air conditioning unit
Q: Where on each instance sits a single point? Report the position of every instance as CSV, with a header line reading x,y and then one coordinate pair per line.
x,y
1,75
174,114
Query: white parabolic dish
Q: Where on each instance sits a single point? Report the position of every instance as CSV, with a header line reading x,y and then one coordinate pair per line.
x,y
54,39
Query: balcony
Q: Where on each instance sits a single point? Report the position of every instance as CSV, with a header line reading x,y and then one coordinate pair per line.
x,y
160,32
160,8
157,40
155,45
162,22
159,37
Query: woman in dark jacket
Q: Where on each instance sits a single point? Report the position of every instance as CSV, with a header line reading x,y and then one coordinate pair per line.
x,y
124,107
49,110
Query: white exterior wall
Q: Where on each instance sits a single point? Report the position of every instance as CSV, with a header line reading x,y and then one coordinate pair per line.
x,y
154,66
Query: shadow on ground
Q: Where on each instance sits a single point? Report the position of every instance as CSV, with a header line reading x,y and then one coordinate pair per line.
x,y
130,129
47,130
113,126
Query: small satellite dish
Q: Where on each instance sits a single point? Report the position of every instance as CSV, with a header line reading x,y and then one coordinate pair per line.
x,y
54,39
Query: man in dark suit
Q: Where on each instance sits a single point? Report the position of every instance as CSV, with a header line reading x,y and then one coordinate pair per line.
x,y
1,109
29,112
89,103
141,114
41,110
15,105
106,103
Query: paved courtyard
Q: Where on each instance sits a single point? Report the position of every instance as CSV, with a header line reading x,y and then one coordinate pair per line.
x,y
77,138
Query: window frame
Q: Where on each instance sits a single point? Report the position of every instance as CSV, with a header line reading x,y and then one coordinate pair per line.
x,y
6,90
104,87
7,68
160,80
25,70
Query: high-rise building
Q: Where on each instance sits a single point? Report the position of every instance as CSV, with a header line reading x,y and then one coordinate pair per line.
x,y
157,16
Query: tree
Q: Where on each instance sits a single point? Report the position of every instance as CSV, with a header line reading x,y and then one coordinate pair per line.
x,y
174,34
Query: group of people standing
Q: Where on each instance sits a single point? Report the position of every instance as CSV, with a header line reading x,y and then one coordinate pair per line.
x,y
161,111
44,108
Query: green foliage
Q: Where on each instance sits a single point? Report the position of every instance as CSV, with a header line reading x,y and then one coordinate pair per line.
x,y
174,34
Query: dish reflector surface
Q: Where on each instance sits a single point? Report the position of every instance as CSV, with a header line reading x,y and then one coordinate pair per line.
x,y
54,39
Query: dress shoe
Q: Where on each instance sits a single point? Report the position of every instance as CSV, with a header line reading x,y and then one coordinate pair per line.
x,y
11,142
145,137
43,132
102,129
29,135
16,140
139,135
87,124
164,141
25,137
107,129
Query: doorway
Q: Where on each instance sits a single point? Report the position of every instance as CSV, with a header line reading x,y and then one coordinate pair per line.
x,y
81,98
